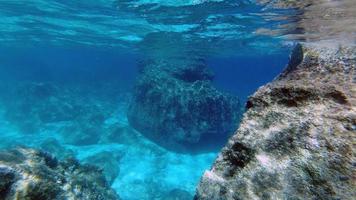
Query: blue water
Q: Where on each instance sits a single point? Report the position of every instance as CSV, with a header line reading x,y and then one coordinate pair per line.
x,y
68,68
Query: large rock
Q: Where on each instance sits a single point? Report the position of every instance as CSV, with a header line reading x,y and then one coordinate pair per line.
x,y
297,139
176,105
33,175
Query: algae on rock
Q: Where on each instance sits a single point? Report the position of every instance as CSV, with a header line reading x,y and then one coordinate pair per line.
x,y
297,138
176,105
35,175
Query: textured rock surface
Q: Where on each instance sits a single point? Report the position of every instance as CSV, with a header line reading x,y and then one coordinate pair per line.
x,y
33,175
177,107
297,139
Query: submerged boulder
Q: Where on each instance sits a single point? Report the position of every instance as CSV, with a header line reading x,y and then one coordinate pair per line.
x,y
176,105
108,162
34,175
297,138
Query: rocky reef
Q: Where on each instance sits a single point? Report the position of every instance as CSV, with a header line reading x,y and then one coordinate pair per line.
x,y
34,107
297,138
111,145
176,105
34,175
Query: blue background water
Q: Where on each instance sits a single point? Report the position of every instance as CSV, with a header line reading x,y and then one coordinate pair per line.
x,y
240,75
74,64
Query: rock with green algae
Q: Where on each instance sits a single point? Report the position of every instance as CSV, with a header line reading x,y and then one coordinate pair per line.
x,y
34,175
297,138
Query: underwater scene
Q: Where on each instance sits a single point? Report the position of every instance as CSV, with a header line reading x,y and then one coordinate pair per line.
x,y
177,99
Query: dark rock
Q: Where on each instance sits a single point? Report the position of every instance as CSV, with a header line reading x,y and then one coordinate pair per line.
x,y
86,134
58,150
178,194
295,140
108,162
39,176
178,107
7,178
123,135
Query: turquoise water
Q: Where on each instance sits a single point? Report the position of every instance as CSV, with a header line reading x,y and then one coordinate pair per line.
x,y
69,69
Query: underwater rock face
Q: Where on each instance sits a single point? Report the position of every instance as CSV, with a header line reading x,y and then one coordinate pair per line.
x,y
34,175
177,106
297,139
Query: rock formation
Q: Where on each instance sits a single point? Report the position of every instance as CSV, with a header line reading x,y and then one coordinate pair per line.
x,y
176,105
108,162
297,138
33,175
33,107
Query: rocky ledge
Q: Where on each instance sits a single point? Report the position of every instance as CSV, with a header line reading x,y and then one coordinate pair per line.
x,y
33,175
297,138
176,105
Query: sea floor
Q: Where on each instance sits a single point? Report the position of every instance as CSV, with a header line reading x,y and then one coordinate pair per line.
x,y
136,167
